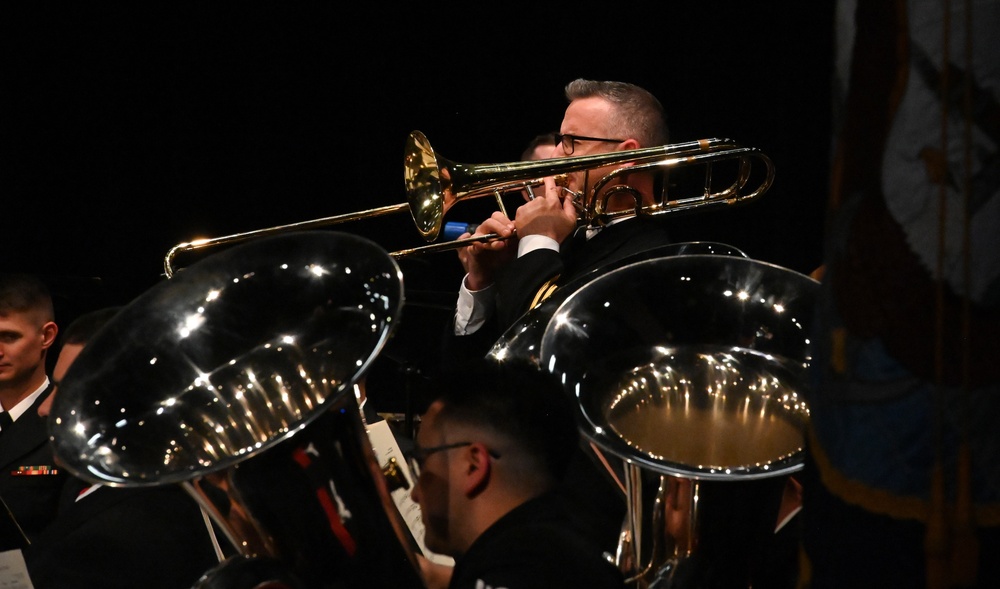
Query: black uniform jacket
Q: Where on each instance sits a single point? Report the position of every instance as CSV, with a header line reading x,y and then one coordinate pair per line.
x,y
30,481
151,537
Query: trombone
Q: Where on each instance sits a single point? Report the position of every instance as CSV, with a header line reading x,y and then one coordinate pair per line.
x,y
434,184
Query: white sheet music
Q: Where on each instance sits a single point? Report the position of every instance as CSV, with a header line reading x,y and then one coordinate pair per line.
x,y
13,572
385,447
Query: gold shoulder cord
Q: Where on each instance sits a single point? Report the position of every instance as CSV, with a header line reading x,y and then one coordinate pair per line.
x,y
544,292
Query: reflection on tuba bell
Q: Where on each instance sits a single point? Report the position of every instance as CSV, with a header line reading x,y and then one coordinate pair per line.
x,y
236,380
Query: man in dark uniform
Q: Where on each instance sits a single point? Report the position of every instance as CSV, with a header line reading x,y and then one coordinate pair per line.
x,y
118,537
29,479
503,277
488,459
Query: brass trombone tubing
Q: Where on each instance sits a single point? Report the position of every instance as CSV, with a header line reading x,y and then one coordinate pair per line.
x,y
168,268
593,211
732,195
434,184
446,245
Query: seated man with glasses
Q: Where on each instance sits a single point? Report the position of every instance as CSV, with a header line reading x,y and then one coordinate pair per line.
x,y
487,459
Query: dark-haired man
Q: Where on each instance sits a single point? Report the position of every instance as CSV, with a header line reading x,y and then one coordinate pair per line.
x,y
29,480
489,459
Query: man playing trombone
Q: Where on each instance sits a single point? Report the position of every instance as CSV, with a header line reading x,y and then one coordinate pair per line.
x,y
503,276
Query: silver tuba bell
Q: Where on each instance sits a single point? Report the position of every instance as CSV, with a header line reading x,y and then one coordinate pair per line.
x,y
236,380
688,371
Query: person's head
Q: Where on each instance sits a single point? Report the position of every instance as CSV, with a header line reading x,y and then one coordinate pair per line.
x,y
540,147
76,335
615,116
27,331
497,436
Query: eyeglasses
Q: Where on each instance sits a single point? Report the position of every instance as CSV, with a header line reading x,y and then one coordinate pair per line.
x,y
416,457
567,141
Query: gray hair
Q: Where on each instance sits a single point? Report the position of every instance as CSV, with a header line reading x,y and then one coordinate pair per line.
x,y
636,114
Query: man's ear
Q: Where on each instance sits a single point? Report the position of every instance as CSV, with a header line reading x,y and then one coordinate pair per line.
x,y
49,332
478,469
628,145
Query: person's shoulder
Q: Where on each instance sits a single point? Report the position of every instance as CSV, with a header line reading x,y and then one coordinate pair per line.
x,y
540,536
535,553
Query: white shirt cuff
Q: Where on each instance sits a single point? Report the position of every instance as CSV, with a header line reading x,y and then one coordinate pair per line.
x,y
473,308
530,243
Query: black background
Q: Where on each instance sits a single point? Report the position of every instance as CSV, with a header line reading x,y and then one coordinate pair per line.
x,y
128,130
